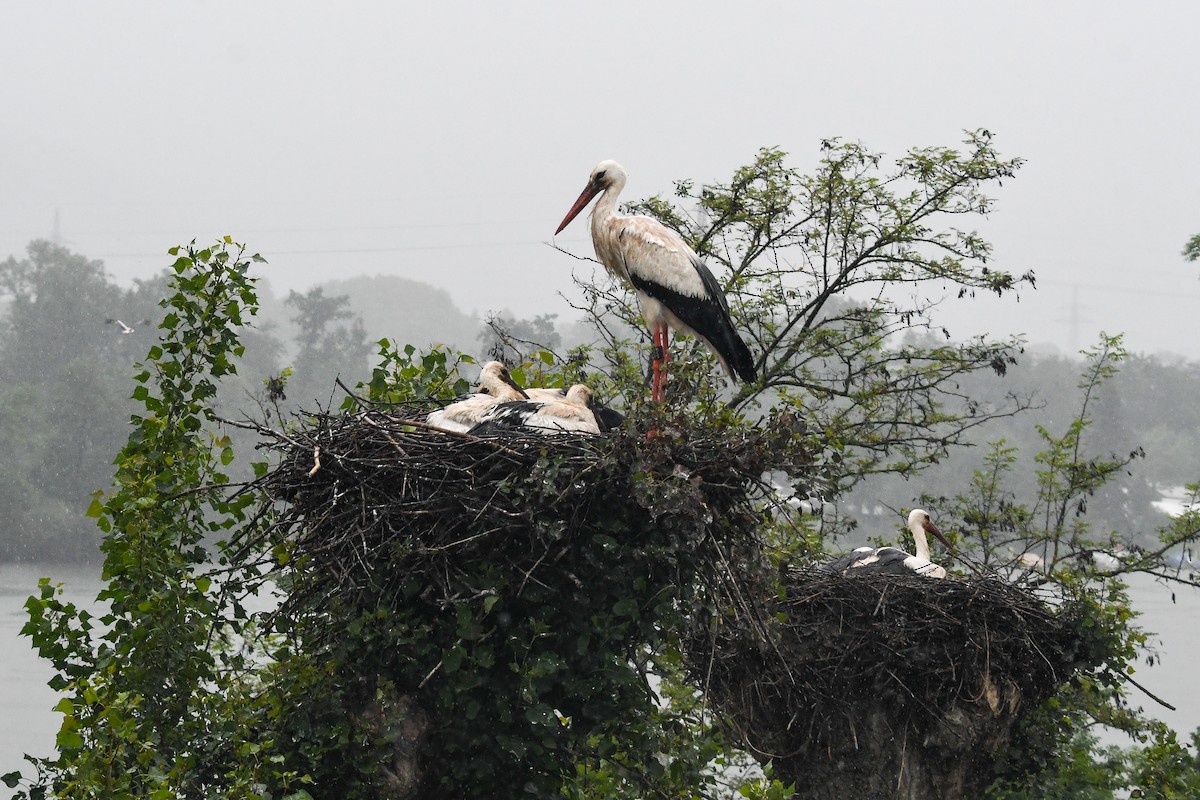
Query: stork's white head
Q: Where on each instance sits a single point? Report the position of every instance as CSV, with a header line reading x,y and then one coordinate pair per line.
x,y
606,175
580,394
494,379
919,522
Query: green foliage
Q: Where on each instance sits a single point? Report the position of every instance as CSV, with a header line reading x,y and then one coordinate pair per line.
x,y
63,369
834,278
1191,250
404,375
1082,773
1162,769
153,705
1165,769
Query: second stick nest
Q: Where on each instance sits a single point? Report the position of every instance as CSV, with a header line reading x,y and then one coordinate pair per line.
x,y
847,662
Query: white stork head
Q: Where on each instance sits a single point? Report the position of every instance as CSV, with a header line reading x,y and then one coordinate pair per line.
x,y
919,524
606,175
580,394
495,380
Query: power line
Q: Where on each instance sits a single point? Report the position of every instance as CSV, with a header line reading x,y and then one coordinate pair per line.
x,y
351,250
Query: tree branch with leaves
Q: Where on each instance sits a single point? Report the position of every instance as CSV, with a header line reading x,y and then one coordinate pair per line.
x,y
835,279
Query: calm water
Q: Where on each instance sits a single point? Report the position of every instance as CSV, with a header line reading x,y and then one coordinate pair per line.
x,y
25,699
29,725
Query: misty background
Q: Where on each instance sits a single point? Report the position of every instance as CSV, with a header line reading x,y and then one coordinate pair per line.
x,y
444,142
402,169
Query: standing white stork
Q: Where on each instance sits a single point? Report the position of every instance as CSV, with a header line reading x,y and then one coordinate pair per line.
x,y
674,287
495,386
894,560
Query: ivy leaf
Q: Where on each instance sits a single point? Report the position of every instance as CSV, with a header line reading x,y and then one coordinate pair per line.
x,y
96,508
68,740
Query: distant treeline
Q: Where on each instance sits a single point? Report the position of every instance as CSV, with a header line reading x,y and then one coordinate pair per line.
x,y
1149,407
70,337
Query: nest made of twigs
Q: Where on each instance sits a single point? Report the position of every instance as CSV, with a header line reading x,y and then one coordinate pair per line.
x,y
379,505
944,659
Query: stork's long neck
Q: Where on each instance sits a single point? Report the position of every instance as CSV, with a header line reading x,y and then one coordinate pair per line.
x,y
918,532
605,207
603,240
499,389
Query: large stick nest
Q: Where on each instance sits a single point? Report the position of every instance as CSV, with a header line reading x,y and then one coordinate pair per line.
x,y
948,662
492,584
381,506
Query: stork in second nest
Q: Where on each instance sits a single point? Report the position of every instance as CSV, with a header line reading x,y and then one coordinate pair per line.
x,y
893,560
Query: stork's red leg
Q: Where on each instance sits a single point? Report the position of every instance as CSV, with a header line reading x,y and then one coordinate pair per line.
x,y
666,359
656,362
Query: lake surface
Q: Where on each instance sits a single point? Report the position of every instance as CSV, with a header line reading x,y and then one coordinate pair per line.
x,y
25,700
29,724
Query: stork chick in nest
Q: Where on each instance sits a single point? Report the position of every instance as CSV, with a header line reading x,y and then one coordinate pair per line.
x,y
496,386
551,411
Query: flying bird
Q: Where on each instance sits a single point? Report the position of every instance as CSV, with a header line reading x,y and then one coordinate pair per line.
x,y
496,385
572,410
893,560
124,328
674,288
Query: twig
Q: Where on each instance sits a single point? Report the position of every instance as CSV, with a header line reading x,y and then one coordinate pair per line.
x,y
1147,692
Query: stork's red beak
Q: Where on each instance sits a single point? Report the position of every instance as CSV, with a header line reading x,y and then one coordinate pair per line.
x,y
931,528
589,191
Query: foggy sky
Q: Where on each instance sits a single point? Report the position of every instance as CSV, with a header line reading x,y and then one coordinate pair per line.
x,y
445,141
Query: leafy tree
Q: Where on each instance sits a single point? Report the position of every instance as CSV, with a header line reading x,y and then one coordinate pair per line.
x,y
827,276
1165,769
152,703
63,369
331,342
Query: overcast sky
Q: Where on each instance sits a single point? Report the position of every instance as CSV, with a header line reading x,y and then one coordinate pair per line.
x,y
445,141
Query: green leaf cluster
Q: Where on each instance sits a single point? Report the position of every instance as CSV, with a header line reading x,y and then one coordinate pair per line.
x,y
155,695
834,279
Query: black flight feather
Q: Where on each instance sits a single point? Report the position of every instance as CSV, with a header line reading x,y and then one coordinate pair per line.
x,y
708,316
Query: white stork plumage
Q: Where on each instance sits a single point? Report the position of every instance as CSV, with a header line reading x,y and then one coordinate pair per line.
x,y
1105,562
894,560
550,411
495,386
674,287
606,418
